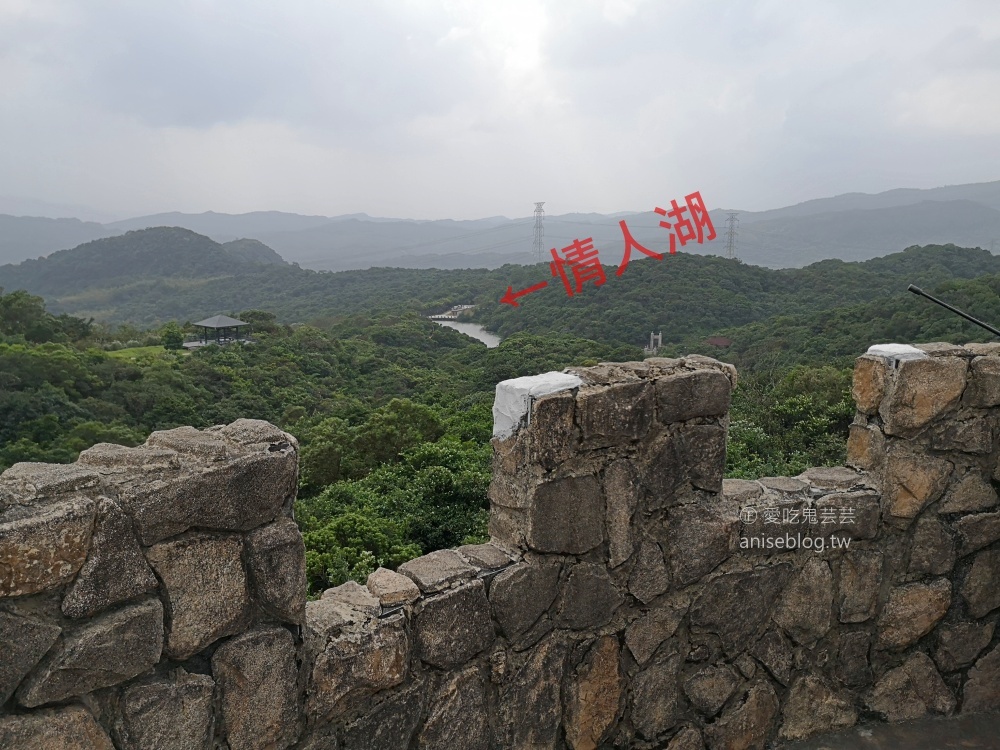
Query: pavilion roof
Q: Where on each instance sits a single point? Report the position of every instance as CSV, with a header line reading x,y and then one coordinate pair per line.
x,y
220,321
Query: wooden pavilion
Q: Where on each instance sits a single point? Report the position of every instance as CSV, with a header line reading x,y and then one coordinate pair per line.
x,y
220,329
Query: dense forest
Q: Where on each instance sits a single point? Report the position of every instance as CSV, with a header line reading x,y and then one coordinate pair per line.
x,y
392,411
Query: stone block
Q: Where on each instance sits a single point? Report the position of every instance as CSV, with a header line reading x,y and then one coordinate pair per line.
x,y
392,589
46,548
749,725
521,594
933,551
593,696
980,590
652,628
699,538
164,713
615,415
813,707
784,485
852,667
535,690
853,515
709,688
205,588
25,641
858,585
587,599
437,571
805,608
661,471
391,724
920,391
969,493
982,690
912,482
977,531
109,459
741,491
649,577
656,698
911,612
865,447
869,384
688,738
276,568
566,516
351,661
958,644
703,452
67,728
257,433
32,484
105,651
736,605
621,492
983,390
508,527
911,691
451,628
458,717
353,598
484,557
256,672
115,570
190,441
686,395
553,436
832,477
968,436
774,651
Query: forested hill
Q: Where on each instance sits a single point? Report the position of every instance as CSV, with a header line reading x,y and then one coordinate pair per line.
x,y
157,253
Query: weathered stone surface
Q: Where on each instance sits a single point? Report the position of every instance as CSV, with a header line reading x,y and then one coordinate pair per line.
x,y
869,383
746,727
708,689
553,433
983,390
108,458
852,666
230,492
115,570
813,707
933,551
960,643
615,415
484,556
652,628
33,483
703,451
786,485
699,538
775,652
688,738
437,571
391,588
971,492
451,628
166,713
391,724
805,609
982,690
256,674
69,728
662,471
458,719
920,391
594,695
521,594
911,612
746,664
980,589
566,516
352,597
105,651
656,697
508,526
276,567
686,395
534,690
857,590
191,441
911,691
832,477
865,447
351,660
621,490
967,436
587,599
256,433
25,641
741,490
205,587
853,515
649,578
736,605
912,483
46,548
977,531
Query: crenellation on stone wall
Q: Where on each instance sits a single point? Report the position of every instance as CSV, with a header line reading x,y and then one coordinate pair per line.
x,y
629,597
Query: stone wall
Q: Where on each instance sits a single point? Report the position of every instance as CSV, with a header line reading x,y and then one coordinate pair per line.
x,y
630,596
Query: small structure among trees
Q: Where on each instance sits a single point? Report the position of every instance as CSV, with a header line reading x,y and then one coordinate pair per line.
x,y
220,329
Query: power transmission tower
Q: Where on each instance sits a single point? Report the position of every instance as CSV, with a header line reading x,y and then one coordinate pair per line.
x,y
539,231
732,223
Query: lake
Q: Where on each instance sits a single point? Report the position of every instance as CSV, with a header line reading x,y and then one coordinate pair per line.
x,y
475,330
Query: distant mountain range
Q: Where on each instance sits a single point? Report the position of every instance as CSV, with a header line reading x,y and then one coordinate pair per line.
x,y
853,226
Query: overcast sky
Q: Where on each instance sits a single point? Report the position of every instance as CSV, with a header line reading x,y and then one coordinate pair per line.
x,y
460,109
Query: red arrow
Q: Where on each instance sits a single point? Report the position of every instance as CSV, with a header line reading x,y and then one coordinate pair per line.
x,y
510,298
